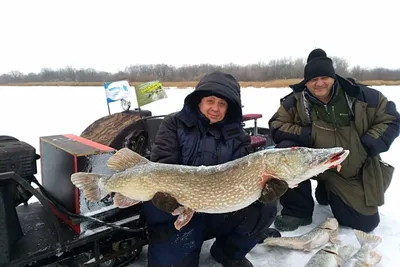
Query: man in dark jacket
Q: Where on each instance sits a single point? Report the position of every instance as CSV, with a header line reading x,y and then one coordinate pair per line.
x,y
207,131
327,110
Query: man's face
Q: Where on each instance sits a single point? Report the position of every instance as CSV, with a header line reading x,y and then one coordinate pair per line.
x,y
321,87
214,108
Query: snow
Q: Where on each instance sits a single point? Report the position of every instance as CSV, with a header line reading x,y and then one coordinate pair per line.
x,y
28,113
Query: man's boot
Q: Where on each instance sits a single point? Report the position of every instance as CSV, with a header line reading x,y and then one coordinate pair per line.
x,y
290,223
220,257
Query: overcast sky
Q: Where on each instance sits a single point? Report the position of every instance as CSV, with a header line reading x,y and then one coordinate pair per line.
x,y
110,35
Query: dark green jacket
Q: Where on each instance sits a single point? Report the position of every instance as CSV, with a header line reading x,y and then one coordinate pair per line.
x,y
357,118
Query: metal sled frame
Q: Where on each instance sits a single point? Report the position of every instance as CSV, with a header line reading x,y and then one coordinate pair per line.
x,y
39,246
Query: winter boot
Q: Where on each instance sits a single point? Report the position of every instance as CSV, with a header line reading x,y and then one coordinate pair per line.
x,y
290,223
221,258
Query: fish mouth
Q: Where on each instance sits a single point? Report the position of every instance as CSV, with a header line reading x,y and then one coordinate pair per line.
x,y
329,250
331,224
328,228
337,156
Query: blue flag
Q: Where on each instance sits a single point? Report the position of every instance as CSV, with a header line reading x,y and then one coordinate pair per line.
x,y
117,90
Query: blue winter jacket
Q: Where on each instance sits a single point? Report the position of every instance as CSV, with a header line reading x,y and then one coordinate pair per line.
x,y
187,138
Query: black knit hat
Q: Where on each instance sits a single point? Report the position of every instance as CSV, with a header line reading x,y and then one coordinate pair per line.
x,y
318,64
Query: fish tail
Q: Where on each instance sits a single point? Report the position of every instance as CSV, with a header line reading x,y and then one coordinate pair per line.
x,y
366,256
366,239
373,258
90,184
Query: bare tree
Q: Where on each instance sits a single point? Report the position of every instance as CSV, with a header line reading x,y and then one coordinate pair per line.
x,y
285,68
341,66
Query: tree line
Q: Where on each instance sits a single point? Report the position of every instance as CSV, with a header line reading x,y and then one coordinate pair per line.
x,y
285,68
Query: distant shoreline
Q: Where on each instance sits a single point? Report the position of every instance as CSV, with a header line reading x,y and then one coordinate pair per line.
x,y
191,84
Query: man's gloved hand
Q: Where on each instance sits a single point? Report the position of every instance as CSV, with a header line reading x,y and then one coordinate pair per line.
x,y
165,202
367,141
273,190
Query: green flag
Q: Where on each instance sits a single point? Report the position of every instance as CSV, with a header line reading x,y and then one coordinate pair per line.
x,y
149,92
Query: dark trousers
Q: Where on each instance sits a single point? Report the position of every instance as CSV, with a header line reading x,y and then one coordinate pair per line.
x,y
298,202
236,234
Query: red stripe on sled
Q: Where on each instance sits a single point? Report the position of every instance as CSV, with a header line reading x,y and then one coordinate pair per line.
x,y
88,142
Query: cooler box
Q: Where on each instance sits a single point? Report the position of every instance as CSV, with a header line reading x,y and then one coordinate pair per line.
x,y
63,155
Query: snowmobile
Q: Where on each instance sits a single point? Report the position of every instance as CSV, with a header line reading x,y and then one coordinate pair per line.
x,y
60,228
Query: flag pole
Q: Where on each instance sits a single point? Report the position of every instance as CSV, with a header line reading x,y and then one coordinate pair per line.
x,y
140,112
108,106
137,102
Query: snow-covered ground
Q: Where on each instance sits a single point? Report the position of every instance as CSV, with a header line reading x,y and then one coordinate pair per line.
x,y
30,112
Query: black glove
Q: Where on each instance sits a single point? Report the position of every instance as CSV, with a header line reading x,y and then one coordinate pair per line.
x,y
368,145
273,190
165,202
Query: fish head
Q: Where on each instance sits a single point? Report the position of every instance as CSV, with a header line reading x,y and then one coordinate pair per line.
x,y
319,160
330,224
298,164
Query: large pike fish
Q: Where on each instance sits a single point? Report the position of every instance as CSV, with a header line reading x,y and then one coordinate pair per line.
x,y
210,189
326,232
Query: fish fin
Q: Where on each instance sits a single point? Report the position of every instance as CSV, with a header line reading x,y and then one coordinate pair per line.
x,y
184,217
89,184
124,159
178,210
366,239
122,201
346,252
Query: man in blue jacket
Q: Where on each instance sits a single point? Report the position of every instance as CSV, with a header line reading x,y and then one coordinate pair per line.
x,y
207,131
